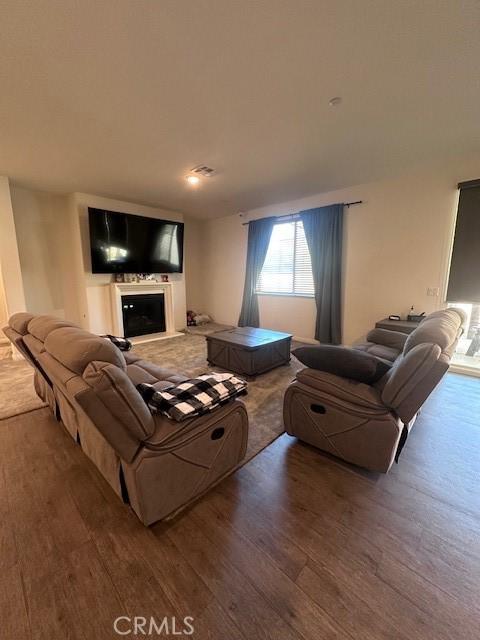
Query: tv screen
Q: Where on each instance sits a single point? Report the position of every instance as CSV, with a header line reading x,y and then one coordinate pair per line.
x,y
124,243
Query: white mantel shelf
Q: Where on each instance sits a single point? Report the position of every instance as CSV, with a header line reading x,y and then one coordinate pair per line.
x,y
144,283
117,289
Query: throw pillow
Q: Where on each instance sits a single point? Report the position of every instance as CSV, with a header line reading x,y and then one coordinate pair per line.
x,y
343,362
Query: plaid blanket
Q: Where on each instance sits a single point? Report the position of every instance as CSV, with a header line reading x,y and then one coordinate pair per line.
x,y
121,343
193,397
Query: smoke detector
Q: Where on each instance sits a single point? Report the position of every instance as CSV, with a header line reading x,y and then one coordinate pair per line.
x,y
204,171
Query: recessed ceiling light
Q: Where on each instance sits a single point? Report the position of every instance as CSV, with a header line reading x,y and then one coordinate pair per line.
x,y
193,180
334,102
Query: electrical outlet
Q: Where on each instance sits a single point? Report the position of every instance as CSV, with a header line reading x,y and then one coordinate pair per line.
x,y
433,291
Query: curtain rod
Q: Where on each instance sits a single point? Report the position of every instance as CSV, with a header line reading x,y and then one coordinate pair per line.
x,y
289,215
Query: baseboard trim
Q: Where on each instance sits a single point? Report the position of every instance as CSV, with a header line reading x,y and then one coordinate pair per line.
x,y
152,337
474,372
306,340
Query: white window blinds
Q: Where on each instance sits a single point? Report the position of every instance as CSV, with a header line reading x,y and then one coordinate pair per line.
x,y
287,269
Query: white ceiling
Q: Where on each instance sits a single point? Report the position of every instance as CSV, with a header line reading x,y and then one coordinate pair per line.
x,y
123,97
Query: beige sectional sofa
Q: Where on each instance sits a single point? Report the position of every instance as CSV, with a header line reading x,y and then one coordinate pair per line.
x,y
368,424
158,465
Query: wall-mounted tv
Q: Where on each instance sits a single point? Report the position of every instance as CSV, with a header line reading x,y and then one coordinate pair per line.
x,y
125,243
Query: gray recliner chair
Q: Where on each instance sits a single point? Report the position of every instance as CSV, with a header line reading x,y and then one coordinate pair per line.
x,y
368,424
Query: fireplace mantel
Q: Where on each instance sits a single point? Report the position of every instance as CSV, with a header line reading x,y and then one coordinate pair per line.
x,y
117,289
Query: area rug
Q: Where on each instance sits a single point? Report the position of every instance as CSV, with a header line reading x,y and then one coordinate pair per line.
x,y
208,329
188,355
264,402
17,394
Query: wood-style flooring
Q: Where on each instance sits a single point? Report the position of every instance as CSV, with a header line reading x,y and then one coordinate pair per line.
x,y
294,545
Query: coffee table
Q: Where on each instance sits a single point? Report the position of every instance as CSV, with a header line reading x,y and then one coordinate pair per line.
x,y
248,351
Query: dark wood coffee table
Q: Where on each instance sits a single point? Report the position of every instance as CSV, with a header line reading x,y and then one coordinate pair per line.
x,y
248,351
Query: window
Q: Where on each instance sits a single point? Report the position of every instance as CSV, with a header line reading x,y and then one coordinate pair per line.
x,y
287,269
464,276
467,354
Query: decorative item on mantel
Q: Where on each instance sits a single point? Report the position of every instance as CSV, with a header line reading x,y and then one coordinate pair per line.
x,y
129,278
164,278
143,277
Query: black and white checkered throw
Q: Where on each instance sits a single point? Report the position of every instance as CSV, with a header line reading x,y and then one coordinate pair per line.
x,y
121,343
193,397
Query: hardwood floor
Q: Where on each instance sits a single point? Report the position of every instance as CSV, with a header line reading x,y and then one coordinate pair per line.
x,y
294,545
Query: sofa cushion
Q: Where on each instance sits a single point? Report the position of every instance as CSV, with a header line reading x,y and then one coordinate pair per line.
x,y
76,348
160,373
412,378
388,354
34,345
344,389
441,328
19,322
343,362
150,373
41,326
393,339
131,357
118,394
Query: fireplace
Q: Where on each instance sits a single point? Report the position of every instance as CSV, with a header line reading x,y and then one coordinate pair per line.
x,y
143,314
148,325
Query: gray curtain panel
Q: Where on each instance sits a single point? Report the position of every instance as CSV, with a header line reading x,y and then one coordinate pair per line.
x,y
324,233
259,234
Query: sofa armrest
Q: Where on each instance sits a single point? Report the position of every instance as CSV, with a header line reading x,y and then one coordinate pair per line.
x,y
343,389
387,338
168,432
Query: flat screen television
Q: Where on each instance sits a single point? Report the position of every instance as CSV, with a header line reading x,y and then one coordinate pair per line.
x,y
125,243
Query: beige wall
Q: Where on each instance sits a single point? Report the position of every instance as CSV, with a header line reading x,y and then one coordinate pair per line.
x,y
194,264
3,308
48,237
40,242
396,245
11,291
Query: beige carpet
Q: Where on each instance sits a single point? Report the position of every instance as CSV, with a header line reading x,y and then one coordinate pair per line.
x,y
186,354
17,394
5,350
265,394
208,328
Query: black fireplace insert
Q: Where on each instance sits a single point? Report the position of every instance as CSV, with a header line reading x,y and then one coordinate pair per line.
x,y
143,314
